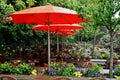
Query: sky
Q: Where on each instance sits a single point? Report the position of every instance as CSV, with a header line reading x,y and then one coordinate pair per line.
x,y
117,15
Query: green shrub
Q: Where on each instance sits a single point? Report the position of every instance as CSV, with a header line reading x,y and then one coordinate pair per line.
x,y
117,71
6,68
22,68
94,71
61,69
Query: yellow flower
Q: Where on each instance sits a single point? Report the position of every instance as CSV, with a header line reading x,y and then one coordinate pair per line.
x,y
101,71
18,60
34,72
117,77
103,55
77,74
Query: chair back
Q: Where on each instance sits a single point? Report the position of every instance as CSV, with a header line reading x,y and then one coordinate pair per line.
x,y
6,77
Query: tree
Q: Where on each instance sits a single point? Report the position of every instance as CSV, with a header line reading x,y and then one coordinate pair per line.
x,y
102,13
107,10
92,10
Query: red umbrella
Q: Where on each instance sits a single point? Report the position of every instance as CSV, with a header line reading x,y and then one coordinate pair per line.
x,y
57,27
46,15
60,29
66,33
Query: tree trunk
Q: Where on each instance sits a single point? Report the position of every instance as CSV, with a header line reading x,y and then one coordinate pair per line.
x,y
81,39
94,41
84,41
111,54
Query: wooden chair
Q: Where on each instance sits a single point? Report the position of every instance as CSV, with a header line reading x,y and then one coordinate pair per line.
x,y
6,77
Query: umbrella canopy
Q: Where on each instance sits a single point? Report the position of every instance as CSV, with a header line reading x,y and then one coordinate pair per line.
x,y
57,27
67,32
46,15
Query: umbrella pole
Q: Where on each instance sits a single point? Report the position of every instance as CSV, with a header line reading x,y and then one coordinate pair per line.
x,y
57,45
62,43
48,45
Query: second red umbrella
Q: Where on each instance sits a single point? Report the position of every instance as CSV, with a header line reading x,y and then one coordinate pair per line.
x,y
61,29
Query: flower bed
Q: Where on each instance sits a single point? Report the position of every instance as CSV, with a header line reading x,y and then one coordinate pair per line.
x,y
19,69
69,70
62,69
55,70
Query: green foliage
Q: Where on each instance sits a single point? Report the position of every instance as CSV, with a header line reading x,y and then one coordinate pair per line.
x,y
22,68
105,40
68,71
20,35
87,34
74,51
20,5
78,50
97,67
97,55
31,2
6,68
5,10
117,70
109,7
94,71
60,69
71,66
101,53
53,65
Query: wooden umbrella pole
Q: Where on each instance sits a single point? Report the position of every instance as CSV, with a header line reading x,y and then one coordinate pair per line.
x,y
48,42
57,44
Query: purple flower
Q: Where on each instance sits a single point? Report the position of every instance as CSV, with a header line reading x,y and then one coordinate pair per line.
x,y
52,71
77,69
